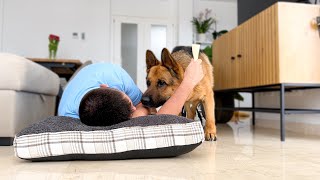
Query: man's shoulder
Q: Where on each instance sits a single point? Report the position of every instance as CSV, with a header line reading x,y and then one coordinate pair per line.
x,y
103,66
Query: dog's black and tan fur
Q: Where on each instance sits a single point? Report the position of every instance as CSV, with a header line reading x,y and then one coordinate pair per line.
x,y
164,77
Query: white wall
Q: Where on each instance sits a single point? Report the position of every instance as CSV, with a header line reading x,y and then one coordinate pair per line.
x,y
224,11
27,25
162,9
185,29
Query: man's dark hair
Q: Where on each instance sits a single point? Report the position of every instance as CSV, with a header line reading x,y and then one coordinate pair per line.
x,y
104,107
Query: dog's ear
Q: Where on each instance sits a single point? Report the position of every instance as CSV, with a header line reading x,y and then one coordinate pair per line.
x,y
151,60
168,61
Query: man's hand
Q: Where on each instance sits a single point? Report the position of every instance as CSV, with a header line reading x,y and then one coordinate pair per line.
x,y
140,111
194,72
103,86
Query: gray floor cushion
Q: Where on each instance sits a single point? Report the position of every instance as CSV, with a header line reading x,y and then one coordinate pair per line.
x,y
65,138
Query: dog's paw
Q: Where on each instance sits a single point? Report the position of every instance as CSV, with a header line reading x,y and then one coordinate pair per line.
x,y
210,137
210,133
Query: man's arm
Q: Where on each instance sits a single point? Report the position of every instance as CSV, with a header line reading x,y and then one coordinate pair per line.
x,y
192,77
176,101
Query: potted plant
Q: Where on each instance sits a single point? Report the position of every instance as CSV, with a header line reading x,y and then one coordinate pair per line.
x,y
53,46
203,23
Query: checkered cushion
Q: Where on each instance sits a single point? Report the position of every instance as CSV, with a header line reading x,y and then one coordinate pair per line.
x,y
65,138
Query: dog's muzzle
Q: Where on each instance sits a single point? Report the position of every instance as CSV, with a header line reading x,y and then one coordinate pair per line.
x,y
147,101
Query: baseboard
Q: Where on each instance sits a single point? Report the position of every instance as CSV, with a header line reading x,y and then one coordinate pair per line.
x,y
298,127
6,141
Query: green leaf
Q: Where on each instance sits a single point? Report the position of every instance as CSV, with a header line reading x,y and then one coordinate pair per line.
x,y
216,34
202,26
208,51
238,96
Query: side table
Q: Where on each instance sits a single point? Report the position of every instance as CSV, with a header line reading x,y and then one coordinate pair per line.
x,y
65,68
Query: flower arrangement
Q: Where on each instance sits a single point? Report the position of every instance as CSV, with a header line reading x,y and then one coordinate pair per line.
x,y
53,45
203,22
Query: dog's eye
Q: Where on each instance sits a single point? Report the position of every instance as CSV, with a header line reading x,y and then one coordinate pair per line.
x,y
148,83
161,83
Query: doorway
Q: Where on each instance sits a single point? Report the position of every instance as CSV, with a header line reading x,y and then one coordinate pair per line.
x,y
129,45
132,36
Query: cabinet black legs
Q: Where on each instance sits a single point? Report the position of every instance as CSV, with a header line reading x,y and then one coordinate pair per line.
x,y
282,112
253,112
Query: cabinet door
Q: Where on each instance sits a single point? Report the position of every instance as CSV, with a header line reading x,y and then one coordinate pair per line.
x,y
245,67
249,68
232,59
225,69
257,50
218,60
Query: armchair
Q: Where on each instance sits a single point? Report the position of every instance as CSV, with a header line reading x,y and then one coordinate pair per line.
x,y
27,94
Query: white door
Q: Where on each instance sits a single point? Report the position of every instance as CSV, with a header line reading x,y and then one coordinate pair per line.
x,y
132,36
1,23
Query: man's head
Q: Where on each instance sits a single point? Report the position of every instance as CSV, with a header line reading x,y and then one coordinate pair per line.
x,y
104,107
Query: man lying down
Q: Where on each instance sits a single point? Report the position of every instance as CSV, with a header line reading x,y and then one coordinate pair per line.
x,y
103,94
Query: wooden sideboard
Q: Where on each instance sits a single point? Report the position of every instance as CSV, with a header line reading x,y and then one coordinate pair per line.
x,y
279,45
276,50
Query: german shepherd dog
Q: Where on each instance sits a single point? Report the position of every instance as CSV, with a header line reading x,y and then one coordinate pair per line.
x,y
164,77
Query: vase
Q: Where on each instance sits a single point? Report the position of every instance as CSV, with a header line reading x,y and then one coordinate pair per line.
x,y
201,37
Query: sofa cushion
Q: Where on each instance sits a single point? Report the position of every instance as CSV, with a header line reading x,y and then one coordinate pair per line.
x,y
24,75
65,138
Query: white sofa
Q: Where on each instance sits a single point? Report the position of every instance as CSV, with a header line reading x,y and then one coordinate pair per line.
x,y
27,94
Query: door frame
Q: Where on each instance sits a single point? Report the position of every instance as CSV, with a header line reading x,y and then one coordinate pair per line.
x,y
144,41
1,23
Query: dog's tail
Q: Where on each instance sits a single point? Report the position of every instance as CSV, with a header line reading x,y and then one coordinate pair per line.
x,y
240,114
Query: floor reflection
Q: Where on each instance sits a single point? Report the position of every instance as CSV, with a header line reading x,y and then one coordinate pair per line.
x,y
242,131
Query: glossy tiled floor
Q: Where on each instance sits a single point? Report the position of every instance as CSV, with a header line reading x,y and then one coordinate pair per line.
x,y
239,153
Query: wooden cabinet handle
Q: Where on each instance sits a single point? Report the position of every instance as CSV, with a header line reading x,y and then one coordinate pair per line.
x,y
239,55
233,58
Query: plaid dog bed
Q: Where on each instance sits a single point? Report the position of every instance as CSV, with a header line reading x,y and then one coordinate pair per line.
x,y
65,138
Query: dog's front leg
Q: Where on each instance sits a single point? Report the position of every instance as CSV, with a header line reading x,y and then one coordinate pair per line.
x,y
187,109
191,108
210,127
